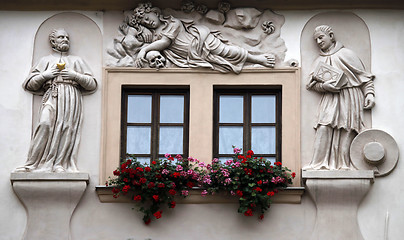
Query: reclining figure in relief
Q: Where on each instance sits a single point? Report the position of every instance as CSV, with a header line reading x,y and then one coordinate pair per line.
x,y
149,35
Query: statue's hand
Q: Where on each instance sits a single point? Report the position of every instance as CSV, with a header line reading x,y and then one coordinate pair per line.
x,y
147,35
369,101
140,59
330,88
50,73
68,74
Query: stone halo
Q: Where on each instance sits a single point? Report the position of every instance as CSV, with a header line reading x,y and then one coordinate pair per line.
x,y
376,150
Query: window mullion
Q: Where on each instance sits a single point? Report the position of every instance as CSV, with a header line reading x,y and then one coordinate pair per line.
x,y
155,126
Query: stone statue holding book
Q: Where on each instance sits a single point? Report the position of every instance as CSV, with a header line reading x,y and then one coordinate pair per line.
x,y
347,89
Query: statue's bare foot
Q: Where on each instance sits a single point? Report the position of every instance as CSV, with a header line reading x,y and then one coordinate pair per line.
x,y
21,169
266,60
59,170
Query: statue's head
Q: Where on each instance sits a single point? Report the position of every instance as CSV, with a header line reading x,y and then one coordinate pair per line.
x,y
147,15
59,40
324,37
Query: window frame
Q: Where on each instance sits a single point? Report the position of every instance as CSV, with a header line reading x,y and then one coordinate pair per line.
x,y
156,92
247,93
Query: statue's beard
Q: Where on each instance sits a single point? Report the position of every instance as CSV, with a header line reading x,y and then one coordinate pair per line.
x,y
62,47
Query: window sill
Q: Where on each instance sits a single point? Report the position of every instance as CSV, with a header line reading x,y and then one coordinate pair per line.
x,y
291,195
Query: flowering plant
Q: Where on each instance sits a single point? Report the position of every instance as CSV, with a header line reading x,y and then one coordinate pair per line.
x,y
254,180
155,185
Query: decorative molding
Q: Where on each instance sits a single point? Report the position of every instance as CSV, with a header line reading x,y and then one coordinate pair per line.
x,y
290,195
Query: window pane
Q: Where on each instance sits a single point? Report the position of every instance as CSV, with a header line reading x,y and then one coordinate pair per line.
x,y
171,108
139,108
228,137
271,159
138,140
263,108
143,159
263,140
231,109
171,140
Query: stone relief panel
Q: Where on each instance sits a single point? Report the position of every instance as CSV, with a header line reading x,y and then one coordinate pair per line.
x,y
336,71
61,74
222,39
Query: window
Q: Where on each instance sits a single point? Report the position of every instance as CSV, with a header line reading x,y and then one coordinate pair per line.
x,y
248,119
200,88
154,122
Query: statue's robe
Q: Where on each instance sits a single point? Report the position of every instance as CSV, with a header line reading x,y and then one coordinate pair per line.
x,y
197,46
56,138
341,112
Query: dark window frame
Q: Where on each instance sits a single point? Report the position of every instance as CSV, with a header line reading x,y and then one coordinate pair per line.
x,y
247,92
155,92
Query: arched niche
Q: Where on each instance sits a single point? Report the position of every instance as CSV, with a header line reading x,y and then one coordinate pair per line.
x,y
353,33
85,41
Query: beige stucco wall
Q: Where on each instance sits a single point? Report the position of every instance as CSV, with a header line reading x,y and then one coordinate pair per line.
x,y
95,220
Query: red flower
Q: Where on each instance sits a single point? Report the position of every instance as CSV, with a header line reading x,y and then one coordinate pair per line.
x,y
139,169
137,198
176,174
172,204
147,222
248,156
153,162
171,158
156,198
248,213
261,216
278,163
115,196
126,180
250,152
259,182
270,193
117,173
258,189
143,180
147,169
293,174
136,183
115,190
172,192
161,185
151,185
241,157
157,214
190,184
125,189
239,193
158,176
244,161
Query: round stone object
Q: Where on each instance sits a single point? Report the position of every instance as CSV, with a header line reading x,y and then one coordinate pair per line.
x,y
374,149
374,153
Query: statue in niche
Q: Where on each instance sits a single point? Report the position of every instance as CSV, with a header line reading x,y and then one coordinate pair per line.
x,y
182,42
62,79
346,90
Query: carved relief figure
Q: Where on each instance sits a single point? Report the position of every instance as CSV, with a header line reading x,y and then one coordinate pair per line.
x,y
184,43
346,88
62,79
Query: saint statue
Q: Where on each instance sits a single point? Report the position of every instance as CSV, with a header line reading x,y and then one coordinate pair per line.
x,y
61,79
183,43
346,88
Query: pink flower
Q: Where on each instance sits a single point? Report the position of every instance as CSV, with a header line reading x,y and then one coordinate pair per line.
x,y
236,150
228,162
202,164
227,181
167,155
237,164
179,168
184,192
178,157
232,193
215,160
165,172
204,193
191,159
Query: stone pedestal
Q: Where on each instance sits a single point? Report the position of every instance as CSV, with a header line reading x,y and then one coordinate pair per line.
x,y
337,195
49,200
